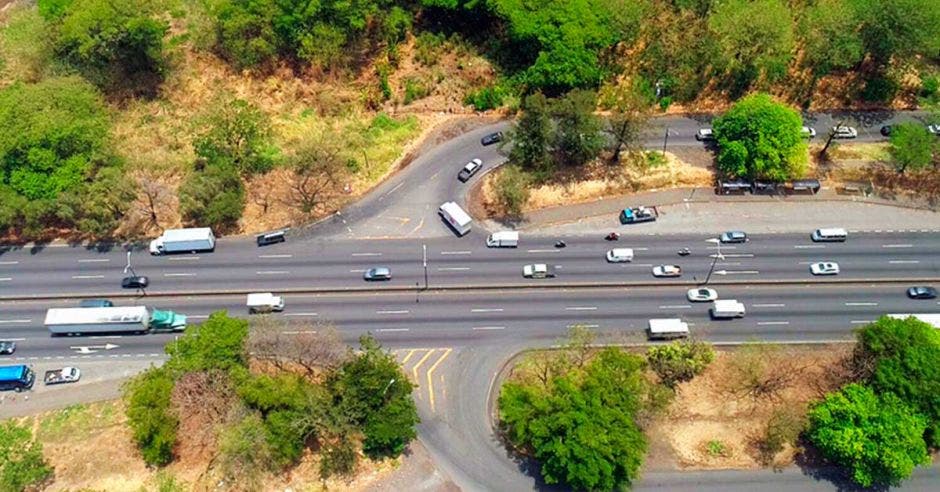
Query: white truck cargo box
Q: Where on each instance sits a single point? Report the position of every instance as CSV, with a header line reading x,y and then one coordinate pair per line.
x,y
183,241
455,217
503,239
665,328
264,302
727,308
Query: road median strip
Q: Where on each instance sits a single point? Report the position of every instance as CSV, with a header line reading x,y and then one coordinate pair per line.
x,y
474,287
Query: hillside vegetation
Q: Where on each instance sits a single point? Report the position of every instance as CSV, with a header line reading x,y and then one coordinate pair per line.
x,y
252,115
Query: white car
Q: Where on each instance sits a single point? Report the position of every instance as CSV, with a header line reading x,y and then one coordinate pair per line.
x,y
667,271
705,135
469,170
620,255
842,131
824,268
538,270
702,295
808,132
934,129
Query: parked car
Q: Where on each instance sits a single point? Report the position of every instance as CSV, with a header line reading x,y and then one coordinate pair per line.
x,y
702,295
7,347
469,170
808,132
705,135
95,303
842,131
492,138
378,273
824,268
922,292
538,270
886,130
63,376
733,237
136,282
667,271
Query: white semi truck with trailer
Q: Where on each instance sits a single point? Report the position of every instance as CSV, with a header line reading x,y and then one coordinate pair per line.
x,y
190,240
124,319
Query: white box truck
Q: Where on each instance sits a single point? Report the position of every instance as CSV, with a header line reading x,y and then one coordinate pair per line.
x,y
667,328
503,239
455,217
123,319
264,302
727,308
189,240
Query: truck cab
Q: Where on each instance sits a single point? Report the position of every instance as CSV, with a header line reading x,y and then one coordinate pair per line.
x,y
638,214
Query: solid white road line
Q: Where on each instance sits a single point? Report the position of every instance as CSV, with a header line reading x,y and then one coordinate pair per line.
x,y
298,332
15,339
275,256
809,246
179,274
367,254
584,325
456,252
301,314
543,251
94,260
489,327
272,272
197,316
773,322
400,311
903,262
581,308
860,321
5,321
487,310
768,305
392,329
677,306
897,245
183,258
453,269
861,304
5,279
9,263
362,270
87,276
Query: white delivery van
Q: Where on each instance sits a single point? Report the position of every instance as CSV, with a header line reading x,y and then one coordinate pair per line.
x,y
264,302
667,328
727,308
455,217
829,235
620,255
503,239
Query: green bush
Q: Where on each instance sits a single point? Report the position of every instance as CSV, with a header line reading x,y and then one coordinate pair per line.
x,y
512,189
415,89
216,344
236,134
149,415
679,361
879,89
22,466
244,453
428,47
912,147
213,198
486,98
929,85
878,438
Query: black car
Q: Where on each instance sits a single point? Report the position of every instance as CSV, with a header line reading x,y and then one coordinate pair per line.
x,y
7,348
469,170
922,292
138,282
492,138
886,130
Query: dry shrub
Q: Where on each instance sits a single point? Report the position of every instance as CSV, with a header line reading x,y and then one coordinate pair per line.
x,y
310,349
207,400
763,371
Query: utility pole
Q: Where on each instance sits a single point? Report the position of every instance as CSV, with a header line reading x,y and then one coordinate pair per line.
x,y
665,141
424,249
718,256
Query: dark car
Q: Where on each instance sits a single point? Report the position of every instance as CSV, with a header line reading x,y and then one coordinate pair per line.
x,y
922,292
271,238
886,130
7,347
95,303
378,273
138,282
492,138
733,237
469,170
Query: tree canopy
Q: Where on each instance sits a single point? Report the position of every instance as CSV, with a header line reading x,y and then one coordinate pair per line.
x,y
912,147
761,139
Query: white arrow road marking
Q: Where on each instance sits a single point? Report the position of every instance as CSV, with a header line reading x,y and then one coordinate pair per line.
x,y
736,272
732,255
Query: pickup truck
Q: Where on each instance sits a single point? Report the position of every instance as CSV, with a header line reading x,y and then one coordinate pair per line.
x,y
61,376
638,214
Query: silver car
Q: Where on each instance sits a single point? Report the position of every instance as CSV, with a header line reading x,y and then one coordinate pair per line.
x,y
824,268
843,131
378,273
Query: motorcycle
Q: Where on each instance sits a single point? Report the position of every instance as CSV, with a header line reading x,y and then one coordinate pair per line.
x,y
613,236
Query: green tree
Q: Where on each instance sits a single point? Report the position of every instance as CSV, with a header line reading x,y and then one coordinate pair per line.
x,y
512,189
760,139
245,32
902,357
756,38
912,147
104,201
217,343
372,391
237,134
878,438
630,107
22,465
531,137
213,198
149,415
116,45
582,427
578,137
679,361
898,28
832,42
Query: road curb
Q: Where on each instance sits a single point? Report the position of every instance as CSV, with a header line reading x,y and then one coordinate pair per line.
x,y
473,287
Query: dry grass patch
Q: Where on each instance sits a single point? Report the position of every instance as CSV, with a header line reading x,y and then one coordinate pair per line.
x,y
719,419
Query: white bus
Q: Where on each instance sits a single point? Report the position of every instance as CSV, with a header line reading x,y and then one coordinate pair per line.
x,y
930,319
458,220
